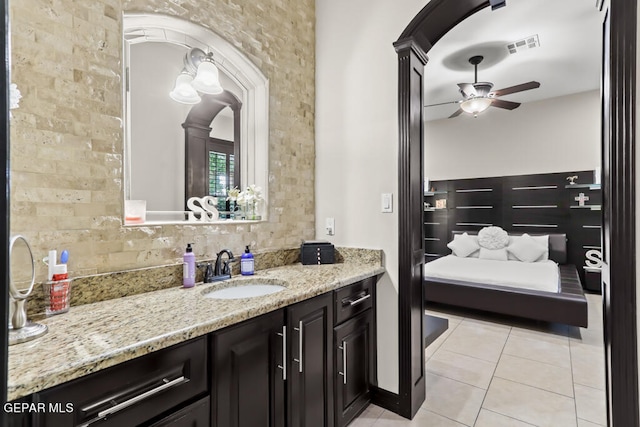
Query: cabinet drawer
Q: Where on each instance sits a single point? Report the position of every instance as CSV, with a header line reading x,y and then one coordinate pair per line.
x,y
354,299
132,392
194,415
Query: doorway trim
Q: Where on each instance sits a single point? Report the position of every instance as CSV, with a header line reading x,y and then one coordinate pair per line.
x,y
4,208
428,26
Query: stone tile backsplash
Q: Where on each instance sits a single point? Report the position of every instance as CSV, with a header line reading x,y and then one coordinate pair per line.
x,y
106,286
67,134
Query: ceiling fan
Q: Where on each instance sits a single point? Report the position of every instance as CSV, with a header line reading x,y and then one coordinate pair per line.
x,y
477,96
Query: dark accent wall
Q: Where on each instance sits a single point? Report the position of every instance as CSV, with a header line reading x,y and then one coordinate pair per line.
x,y
535,204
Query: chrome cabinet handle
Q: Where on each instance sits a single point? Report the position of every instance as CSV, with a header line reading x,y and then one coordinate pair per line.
x,y
300,349
284,353
343,347
140,397
359,300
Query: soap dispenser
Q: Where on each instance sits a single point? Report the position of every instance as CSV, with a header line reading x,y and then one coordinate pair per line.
x,y
189,268
246,263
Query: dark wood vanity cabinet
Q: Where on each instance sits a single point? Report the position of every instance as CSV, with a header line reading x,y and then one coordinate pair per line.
x,y
310,362
354,350
248,380
256,360
141,391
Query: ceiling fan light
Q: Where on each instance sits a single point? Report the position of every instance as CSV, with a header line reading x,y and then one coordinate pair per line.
x,y
475,105
207,80
183,91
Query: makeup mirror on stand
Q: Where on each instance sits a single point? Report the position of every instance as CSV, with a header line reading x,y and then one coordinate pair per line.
x,y
22,274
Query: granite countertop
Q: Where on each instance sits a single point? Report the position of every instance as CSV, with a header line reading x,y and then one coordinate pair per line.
x,y
95,336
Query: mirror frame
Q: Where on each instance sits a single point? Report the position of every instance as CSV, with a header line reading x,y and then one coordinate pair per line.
x,y
254,123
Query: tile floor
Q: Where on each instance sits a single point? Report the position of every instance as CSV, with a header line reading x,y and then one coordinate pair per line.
x,y
494,371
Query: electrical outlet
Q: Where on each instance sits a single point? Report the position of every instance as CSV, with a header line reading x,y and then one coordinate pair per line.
x,y
330,226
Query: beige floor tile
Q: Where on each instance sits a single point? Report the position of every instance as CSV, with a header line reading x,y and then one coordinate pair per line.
x,y
368,416
588,366
594,311
548,332
553,378
477,341
422,419
588,337
539,350
363,422
585,423
487,322
469,370
529,404
452,399
591,404
492,419
435,345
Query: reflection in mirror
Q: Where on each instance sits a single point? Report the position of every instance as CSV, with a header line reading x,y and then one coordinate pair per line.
x,y
21,266
175,151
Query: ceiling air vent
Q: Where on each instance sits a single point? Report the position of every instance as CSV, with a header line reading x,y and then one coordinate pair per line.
x,y
524,44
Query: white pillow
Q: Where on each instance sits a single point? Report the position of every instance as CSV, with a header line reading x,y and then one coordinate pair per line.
x,y
493,238
528,249
494,254
463,245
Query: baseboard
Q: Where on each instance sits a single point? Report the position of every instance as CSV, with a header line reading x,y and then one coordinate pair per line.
x,y
385,399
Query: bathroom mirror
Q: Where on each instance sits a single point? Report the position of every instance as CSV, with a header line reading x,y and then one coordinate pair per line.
x,y
159,168
21,267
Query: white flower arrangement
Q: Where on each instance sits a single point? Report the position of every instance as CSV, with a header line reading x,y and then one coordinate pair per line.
x,y
251,197
14,97
232,194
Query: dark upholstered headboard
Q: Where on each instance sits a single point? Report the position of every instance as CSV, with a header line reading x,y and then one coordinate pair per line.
x,y
557,244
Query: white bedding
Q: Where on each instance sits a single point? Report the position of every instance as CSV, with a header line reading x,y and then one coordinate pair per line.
x,y
539,276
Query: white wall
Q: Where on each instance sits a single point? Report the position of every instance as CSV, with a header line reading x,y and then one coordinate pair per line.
x,y
555,135
357,141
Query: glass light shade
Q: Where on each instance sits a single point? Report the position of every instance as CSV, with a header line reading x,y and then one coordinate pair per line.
x,y
206,80
475,105
183,91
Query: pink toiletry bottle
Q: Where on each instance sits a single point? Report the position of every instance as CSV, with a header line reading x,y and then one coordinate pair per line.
x,y
189,268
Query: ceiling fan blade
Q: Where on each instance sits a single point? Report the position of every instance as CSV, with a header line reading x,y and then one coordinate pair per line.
x,y
517,88
456,114
444,103
507,105
467,89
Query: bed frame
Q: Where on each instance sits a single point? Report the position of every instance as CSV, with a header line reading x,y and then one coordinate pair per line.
x,y
568,306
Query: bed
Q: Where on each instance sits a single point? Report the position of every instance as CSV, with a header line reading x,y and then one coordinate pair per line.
x,y
511,287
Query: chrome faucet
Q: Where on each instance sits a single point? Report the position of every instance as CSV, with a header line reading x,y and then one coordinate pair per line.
x,y
222,269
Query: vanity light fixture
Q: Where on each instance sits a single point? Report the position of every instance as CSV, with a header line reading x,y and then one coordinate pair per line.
x,y
200,74
476,105
183,91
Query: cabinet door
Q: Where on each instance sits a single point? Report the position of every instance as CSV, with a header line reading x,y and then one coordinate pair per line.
x,y
248,381
310,381
354,366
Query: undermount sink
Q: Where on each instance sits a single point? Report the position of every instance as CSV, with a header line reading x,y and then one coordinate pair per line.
x,y
245,290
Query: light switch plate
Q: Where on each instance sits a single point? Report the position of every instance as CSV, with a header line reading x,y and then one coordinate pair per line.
x,y
330,226
387,202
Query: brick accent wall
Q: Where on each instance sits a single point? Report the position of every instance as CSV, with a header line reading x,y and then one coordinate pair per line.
x,y
67,135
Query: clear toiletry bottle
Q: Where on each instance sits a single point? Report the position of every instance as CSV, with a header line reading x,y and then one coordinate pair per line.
x,y
189,268
246,263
